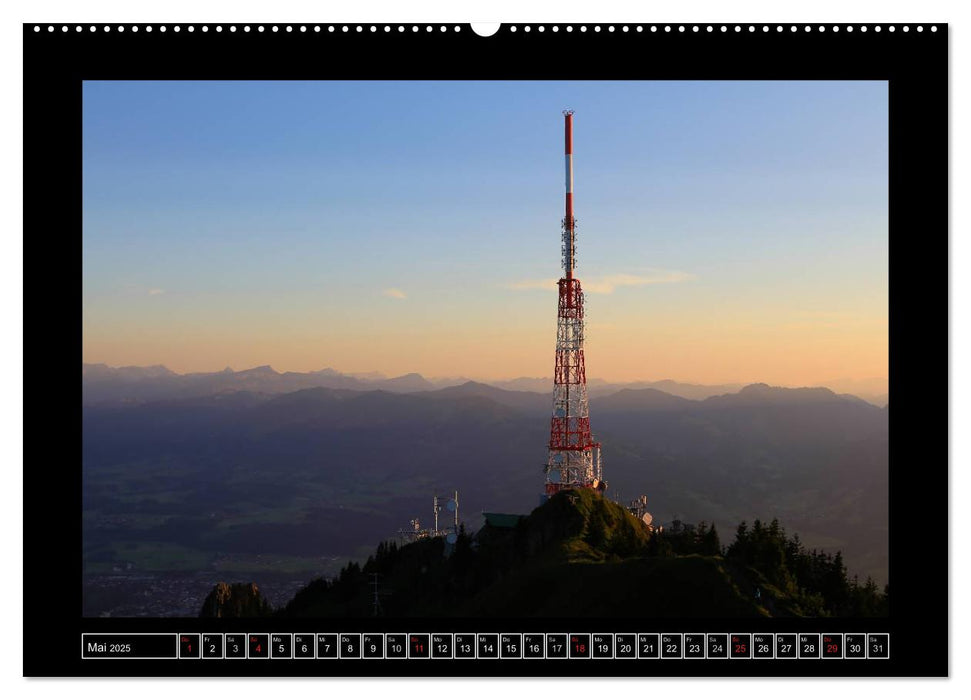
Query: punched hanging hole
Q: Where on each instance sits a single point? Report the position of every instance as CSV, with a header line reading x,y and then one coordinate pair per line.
x,y
485,28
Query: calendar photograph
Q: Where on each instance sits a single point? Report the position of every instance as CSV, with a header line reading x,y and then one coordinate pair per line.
x,y
397,349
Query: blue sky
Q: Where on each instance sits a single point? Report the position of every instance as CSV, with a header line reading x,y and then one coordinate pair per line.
x,y
721,225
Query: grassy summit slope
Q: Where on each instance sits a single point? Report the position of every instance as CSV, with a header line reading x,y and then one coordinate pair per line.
x,y
581,554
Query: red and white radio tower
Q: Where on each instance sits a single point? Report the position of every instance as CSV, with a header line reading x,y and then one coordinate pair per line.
x,y
574,458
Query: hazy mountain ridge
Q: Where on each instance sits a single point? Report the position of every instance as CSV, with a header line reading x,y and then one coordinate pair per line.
x,y
101,384
327,472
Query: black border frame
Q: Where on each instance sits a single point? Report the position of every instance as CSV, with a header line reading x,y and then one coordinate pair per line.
x,y
914,62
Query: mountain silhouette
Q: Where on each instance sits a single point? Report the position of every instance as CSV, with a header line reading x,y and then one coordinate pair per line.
x,y
324,471
642,400
525,401
101,384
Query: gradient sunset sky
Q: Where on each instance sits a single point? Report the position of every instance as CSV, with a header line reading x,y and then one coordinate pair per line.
x,y
727,231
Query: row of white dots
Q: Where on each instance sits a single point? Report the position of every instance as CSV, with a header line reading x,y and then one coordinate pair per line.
x,y
247,28
726,28
513,28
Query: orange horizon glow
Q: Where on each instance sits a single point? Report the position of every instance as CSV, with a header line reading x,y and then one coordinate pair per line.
x,y
841,355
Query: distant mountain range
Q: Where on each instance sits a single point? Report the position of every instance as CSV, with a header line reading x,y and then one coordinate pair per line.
x,y
101,384
238,480
599,387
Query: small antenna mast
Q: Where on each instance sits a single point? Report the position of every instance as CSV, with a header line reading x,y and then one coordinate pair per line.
x,y
435,508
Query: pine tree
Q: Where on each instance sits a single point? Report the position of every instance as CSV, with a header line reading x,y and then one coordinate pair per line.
x,y
701,534
710,544
739,548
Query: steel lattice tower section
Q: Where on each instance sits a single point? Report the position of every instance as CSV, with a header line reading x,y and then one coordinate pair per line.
x,y
574,457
